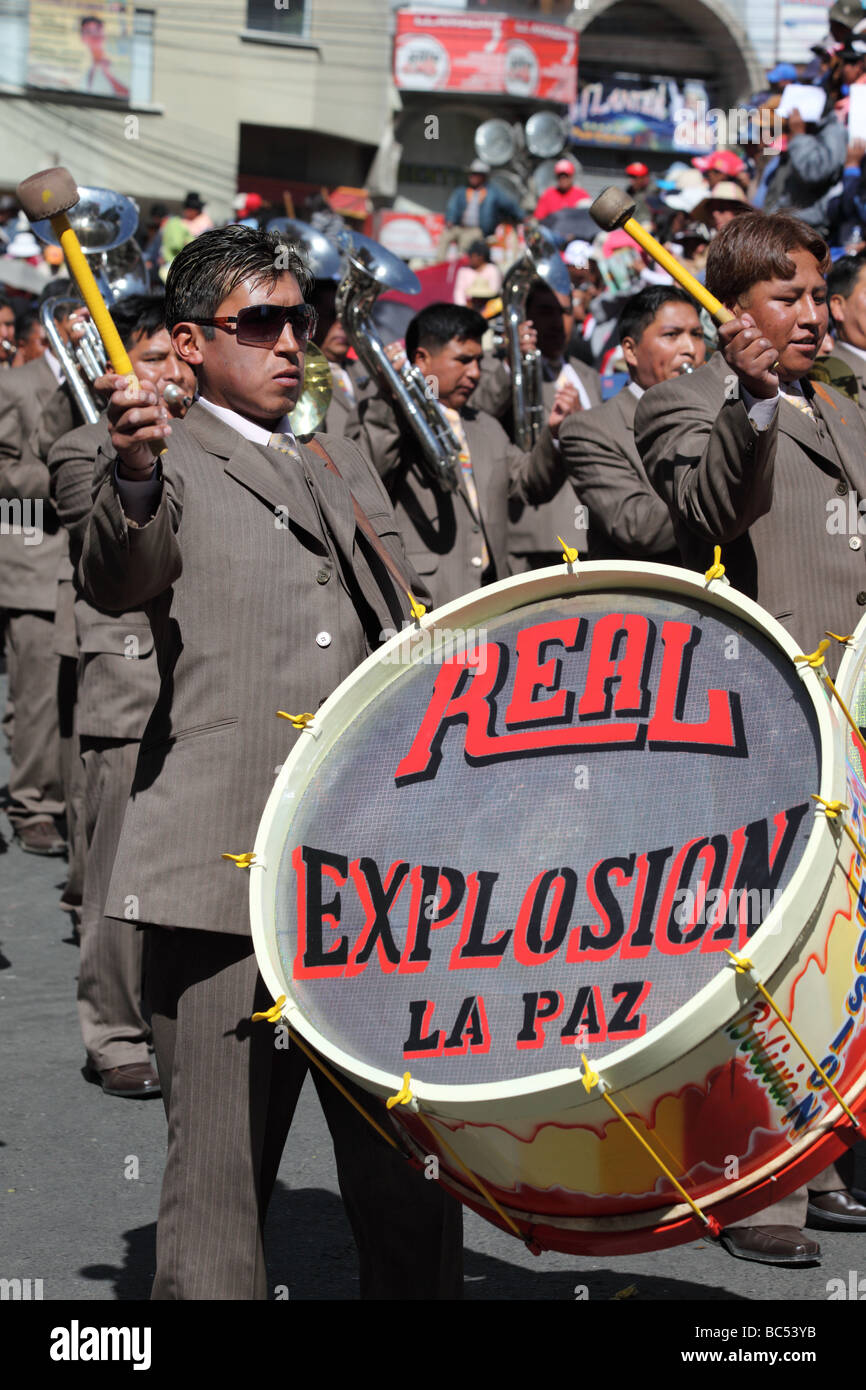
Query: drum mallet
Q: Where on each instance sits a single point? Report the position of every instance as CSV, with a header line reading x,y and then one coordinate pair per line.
x,y
50,195
613,209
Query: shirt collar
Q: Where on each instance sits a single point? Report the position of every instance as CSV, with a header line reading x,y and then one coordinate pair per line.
x,y
849,347
256,433
54,365
636,389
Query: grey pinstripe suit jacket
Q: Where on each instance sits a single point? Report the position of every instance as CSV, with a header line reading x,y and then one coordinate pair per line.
x,y
767,498
627,518
247,560
28,572
118,678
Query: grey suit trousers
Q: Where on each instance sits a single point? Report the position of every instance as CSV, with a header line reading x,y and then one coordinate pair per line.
x,y
230,1093
35,790
109,982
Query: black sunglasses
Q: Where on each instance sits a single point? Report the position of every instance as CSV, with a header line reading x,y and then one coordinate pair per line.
x,y
261,325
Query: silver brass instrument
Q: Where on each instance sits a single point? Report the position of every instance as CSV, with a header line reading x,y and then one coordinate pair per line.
x,y
104,222
79,363
370,270
540,261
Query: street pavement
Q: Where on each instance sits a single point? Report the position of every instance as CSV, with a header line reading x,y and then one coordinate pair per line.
x,y
80,1172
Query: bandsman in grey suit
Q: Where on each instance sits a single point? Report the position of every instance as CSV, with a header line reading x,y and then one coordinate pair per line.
x,y
118,683
751,456
548,326
32,551
846,286
456,540
661,336
265,587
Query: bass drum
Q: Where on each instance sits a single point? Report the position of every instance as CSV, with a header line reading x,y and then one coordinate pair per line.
x,y
509,857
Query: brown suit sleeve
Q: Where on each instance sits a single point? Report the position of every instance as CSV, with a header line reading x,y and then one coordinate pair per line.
x,y
123,565
712,467
22,470
374,427
59,417
621,503
536,476
71,461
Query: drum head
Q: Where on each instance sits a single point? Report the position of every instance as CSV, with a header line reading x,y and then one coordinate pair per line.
x,y
522,838
537,804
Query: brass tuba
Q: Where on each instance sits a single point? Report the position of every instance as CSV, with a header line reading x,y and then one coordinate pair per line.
x,y
540,261
370,269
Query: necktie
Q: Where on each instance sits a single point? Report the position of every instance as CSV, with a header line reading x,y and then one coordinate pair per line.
x,y
285,444
454,420
799,403
344,381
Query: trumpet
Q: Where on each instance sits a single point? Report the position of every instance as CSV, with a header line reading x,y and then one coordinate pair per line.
x,y
370,270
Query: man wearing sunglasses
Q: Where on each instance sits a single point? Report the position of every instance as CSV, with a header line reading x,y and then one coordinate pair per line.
x,y
264,591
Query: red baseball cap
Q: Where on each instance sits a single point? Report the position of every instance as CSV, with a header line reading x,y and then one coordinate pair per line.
x,y
636,171
563,166
724,160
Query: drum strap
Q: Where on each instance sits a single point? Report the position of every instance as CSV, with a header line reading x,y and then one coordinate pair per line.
x,y
366,526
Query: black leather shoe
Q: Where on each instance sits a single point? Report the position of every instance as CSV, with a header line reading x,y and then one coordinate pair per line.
x,y
771,1245
832,1211
136,1080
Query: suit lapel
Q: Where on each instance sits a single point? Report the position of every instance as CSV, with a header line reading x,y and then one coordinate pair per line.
x,y
626,405
333,499
277,483
845,428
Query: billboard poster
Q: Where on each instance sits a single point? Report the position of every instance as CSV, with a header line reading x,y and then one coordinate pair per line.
x,y
77,46
488,53
634,111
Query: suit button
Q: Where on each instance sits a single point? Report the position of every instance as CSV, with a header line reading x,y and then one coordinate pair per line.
x,y
475,530
323,639
476,561
841,489
861,598
323,576
854,543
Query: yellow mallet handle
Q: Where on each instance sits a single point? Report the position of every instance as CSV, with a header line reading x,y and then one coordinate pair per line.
x,y
670,263
83,277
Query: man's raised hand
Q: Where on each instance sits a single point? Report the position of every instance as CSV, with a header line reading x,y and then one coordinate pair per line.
x,y
751,355
135,415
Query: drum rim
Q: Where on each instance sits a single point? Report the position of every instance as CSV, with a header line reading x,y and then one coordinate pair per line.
x,y
853,661
531,1097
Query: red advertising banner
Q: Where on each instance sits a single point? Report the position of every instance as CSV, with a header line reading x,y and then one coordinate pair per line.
x,y
489,53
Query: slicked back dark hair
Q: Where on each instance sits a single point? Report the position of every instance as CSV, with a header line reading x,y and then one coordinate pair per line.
x,y
138,315
439,323
211,266
754,247
844,274
639,311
